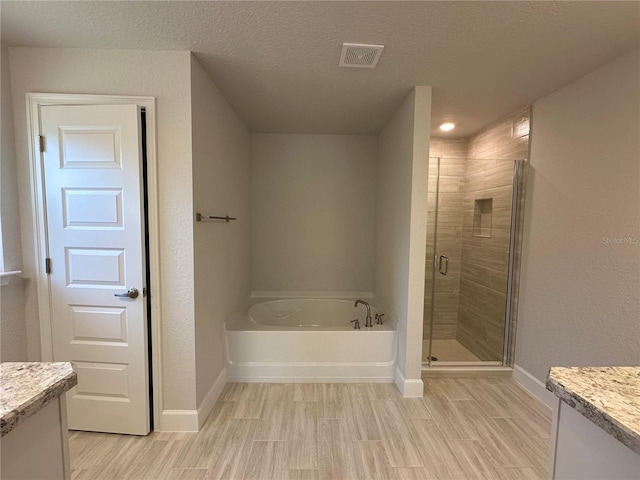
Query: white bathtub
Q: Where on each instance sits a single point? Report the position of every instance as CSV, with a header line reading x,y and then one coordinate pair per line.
x,y
309,340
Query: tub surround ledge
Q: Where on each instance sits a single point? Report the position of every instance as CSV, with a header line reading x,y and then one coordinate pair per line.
x,y
28,387
607,396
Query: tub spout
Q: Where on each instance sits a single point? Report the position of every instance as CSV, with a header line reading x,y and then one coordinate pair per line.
x,y
368,323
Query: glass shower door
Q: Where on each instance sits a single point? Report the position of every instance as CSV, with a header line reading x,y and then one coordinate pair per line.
x,y
472,243
432,225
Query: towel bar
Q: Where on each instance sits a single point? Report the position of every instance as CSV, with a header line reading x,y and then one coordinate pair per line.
x,y
226,218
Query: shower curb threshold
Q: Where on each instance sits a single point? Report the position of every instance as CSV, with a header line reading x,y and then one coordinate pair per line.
x,y
467,371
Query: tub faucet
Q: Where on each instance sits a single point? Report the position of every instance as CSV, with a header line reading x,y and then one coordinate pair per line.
x,y
368,323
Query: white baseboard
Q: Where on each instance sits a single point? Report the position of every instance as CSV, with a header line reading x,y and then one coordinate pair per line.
x,y
534,386
212,396
179,421
192,420
310,294
253,379
409,388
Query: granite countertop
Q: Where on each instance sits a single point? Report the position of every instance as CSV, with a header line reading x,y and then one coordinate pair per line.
x,y
27,387
608,396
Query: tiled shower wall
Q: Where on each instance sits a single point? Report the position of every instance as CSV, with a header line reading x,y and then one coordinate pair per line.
x,y
453,155
483,282
471,299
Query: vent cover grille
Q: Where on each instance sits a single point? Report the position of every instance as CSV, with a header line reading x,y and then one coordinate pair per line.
x,y
356,55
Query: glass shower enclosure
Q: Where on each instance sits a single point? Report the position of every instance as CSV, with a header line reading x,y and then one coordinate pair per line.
x,y
474,235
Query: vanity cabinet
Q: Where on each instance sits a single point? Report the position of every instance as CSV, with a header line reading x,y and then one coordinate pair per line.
x,y
34,443
596,423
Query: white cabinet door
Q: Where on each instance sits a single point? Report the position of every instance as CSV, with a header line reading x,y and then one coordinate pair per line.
x,y
92,166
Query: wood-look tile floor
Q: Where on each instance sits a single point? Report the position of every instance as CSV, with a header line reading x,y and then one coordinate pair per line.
x,y
463,428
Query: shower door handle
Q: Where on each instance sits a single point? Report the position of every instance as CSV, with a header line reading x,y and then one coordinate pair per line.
x,y
446,265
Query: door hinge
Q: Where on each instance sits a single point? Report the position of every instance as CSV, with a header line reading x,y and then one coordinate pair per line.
x,y
47,265
41,142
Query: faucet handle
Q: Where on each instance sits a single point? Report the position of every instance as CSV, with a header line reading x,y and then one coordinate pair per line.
x,y
379,320
356,324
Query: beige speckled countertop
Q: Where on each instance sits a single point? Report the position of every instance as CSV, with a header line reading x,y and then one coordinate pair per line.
x,y
26,388
608,396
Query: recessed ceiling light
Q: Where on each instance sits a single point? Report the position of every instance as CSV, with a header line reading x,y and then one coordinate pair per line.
x,y
447,127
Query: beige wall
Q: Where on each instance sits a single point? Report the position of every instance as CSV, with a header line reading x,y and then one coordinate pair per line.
x,y
13,331
313,212
221,161
403,165
10,212
166,76
579,299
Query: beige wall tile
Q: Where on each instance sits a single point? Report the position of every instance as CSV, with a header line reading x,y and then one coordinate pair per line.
x,y
450,203
483,277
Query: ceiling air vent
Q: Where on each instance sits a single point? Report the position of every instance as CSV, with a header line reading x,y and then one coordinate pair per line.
x,y
360,56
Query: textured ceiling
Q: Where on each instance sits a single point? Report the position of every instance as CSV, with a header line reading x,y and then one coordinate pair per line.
x,y
277,62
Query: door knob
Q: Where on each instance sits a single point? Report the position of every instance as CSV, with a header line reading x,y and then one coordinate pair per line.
x,y
132,293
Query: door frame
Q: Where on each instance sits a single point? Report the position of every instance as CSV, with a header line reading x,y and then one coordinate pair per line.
x,y
38,215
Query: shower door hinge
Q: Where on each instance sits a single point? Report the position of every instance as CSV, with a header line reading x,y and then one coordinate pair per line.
x,y
41,143
47,265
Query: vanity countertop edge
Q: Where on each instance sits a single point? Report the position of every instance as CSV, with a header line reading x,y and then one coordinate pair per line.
x,y
607,396
28,387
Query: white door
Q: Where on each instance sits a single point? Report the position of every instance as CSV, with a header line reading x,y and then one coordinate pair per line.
x,y
92,166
